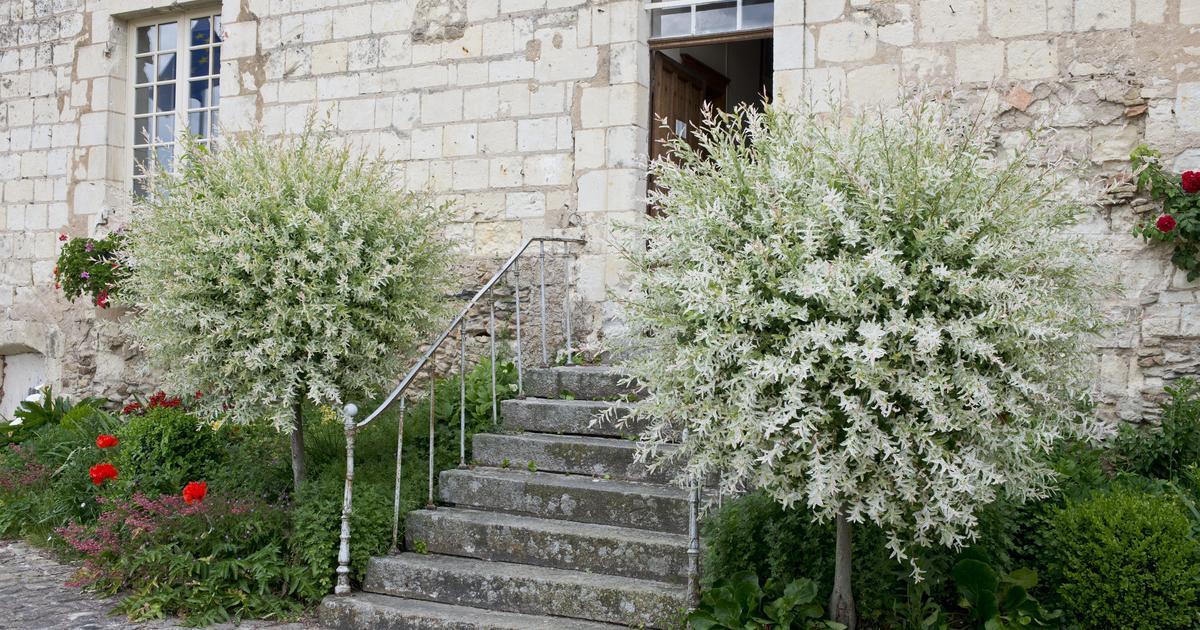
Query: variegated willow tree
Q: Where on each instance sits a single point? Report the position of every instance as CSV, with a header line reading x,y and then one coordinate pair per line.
x,y
871,317
270,272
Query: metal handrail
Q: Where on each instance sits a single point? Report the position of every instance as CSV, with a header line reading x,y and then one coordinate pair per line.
x,y
351,426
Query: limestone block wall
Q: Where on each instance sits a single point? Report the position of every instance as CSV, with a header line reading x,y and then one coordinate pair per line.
x,y
1107,75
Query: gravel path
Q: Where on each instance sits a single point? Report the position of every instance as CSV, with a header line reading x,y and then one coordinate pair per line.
x,y
33,596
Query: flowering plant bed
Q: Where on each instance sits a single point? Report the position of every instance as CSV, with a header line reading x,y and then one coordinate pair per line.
x,y
1179,222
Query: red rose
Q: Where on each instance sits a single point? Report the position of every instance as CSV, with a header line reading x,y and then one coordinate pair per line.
x,y
1165,223
62,237
102,299
194,492
106,441
102,472
132,407
1190,181
199,394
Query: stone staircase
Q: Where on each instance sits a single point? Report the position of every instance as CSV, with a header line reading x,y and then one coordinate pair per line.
x,y
555,527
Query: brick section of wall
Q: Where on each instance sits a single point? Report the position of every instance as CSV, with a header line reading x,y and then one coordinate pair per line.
x,y
1106,74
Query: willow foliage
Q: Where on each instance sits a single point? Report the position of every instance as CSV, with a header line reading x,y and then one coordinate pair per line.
x,y
271,271
879,317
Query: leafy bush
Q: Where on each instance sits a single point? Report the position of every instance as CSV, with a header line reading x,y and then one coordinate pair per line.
x,y
33,415
92,266
211,561
164,449
1180,221
999,601
739,603
316,524
1126,559
1163,452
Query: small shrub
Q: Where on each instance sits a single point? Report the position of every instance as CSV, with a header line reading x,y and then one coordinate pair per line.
x,y
30,416
1126,559
165,448
316,525
1163,452
739,603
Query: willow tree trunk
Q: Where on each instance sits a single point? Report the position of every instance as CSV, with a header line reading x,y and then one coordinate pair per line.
x,y
298,468
841,601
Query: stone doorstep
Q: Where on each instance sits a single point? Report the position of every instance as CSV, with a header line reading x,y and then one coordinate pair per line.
x,y
604,549
385,612
583,382
524,589
544,415
636,505
575,454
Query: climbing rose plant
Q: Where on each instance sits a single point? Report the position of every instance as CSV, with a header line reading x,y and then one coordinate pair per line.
x,y
1179,222
879,318
271,272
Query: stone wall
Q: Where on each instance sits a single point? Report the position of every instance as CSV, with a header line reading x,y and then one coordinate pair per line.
x,y
531,118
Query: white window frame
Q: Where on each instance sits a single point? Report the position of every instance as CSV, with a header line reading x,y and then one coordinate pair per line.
x,y
183,48
653,5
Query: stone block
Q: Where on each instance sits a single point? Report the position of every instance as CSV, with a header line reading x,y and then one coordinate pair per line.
x,y
896,26
460,140
808,11
548,170
506,172
427,143
794,47
481,103
1187,107
440,107
497,137
537,134
923,64
873,84
979,62
1112,143
949,20
590,148
1016,18
1032,59
845,41
1151,11
1189,11
1098,15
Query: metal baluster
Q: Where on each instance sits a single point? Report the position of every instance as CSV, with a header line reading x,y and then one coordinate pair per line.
x,y
492,344
430,505
517,283
693,550
542,264
462,392
396,497
567,298
343,568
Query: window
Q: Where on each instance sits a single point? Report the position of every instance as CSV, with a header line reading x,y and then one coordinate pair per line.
x,y
689,18
176,89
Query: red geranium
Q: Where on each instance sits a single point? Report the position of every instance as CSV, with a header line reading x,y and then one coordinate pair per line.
x,y
194,492
102,472
102,299
1165,223
62,237
106,441
1190,181
132,407
160,399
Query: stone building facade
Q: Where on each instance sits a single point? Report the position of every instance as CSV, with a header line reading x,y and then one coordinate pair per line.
x,y
533,117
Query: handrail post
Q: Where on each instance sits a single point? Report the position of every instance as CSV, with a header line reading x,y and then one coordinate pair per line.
x,y
693,550
462,393
343,569
396,499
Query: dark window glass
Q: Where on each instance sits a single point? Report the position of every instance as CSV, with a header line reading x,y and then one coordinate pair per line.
x,y
145,70
166,97
758,13
141,131
197,93
201,31
672,22
145,39
200,62
716,18
216,60
216,93
166,67
165,128
163,155
168,36
143,100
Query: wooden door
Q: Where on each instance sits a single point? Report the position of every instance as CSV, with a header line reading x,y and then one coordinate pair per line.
x,y
678,92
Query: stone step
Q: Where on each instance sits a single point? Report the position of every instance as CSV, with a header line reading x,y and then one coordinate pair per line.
x,y
544,415
581,382
363,611
523,589
604,549
575,454
568,497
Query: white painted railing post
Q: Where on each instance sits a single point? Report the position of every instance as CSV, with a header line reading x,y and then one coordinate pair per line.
x,y
343,569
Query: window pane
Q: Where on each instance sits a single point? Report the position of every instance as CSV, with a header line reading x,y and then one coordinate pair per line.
x,y
213,125
166,98
716,18
216,93
672,22
197,91
200,63
139,187
141,131
216,60
758,13
165,128
163,156
143,100
141,159
166,67
198,124
201,31
145,39
145,70
168,36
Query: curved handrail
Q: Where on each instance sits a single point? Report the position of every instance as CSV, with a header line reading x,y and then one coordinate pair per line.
x,y
416,369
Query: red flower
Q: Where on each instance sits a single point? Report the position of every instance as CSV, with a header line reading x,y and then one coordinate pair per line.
x,y
199,394
1165,223
102,472
160,399
194,492
132,407
102,299
1190,181
106,441
62,237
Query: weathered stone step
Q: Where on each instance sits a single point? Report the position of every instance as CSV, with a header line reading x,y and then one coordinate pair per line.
x,y
575,454
545,415
604,549
581,382
385,612
568,497
523,589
